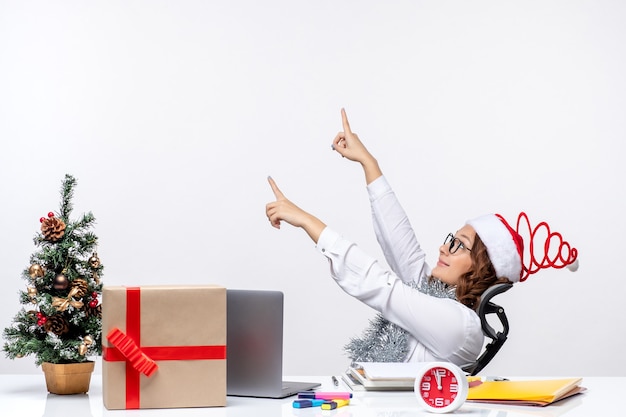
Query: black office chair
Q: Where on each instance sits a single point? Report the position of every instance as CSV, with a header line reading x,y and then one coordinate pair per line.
x,y
497,338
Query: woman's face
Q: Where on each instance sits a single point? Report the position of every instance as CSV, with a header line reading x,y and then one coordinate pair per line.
x,y
451,266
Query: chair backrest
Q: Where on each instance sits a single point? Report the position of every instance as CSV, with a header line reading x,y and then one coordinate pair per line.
x,y
497,338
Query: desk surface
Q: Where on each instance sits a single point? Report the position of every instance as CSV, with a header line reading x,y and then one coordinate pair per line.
x,y
26,395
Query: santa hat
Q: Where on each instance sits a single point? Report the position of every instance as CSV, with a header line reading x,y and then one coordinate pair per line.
x,y
505,247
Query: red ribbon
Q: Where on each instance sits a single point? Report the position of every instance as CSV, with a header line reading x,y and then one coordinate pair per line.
x,y
140,359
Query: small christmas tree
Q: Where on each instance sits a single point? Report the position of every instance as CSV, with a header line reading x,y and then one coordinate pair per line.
x,y
63,323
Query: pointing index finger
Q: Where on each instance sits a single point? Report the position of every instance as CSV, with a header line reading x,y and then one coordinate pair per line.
x,y
344,119
277,193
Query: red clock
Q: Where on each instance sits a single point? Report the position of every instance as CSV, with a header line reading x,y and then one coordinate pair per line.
x,y
441,387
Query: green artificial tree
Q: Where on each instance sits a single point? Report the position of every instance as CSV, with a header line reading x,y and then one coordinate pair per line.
x,y
62,320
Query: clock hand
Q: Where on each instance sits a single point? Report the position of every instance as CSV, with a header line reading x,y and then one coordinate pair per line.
x,y
438,378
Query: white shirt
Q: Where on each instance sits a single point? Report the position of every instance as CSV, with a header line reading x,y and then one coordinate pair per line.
x,y
441,329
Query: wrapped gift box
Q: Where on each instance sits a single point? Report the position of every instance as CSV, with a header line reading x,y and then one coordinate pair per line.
x,y
163,346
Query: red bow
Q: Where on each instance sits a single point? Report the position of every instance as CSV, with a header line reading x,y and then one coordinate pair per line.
x,y
127,347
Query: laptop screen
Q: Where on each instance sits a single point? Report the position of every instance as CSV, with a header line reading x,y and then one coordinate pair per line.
x,y
254,345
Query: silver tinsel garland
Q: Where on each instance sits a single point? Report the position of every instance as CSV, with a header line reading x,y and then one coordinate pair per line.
x,y
384,341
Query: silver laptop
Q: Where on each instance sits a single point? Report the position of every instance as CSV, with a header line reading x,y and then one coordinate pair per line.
x,y
254,346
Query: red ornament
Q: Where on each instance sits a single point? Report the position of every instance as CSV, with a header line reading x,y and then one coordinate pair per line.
x,y
93,303
50,214
94,295
39,315
41,219
42,320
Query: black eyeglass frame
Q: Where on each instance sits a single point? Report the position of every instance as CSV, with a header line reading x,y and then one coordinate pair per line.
x,y
454,244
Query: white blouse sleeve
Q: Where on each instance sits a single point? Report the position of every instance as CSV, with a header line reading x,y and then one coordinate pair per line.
x,y
395,234
445,327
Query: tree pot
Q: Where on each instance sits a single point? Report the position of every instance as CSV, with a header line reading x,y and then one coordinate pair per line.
x,y
68,378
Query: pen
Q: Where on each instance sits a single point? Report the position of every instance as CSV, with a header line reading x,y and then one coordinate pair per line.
x,y
495,378
335,382
474,381
307,403
331,405
325,395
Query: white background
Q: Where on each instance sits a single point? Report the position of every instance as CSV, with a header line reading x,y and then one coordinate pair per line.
x,y
171,115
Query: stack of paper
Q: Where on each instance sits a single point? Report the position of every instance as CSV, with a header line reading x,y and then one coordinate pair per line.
x,y
525,392
381,376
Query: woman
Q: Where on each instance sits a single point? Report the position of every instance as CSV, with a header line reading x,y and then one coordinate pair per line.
x,y
436,307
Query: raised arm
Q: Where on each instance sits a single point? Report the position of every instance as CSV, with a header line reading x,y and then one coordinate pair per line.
x,y
391,225
395,234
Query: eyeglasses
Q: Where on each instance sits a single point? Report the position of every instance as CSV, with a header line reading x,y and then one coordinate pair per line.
x,y
454,243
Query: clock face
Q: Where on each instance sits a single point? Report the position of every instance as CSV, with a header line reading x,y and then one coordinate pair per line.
x,y
440,388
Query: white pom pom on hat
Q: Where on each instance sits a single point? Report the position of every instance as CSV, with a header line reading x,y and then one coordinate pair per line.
x,y
505,247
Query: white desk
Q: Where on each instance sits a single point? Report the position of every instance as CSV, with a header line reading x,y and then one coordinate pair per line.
x,y
26,396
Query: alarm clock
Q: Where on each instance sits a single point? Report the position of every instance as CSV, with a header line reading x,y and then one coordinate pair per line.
x,y
441,387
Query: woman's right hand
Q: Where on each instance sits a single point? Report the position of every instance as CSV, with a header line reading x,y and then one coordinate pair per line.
x,y
348,145
284,210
